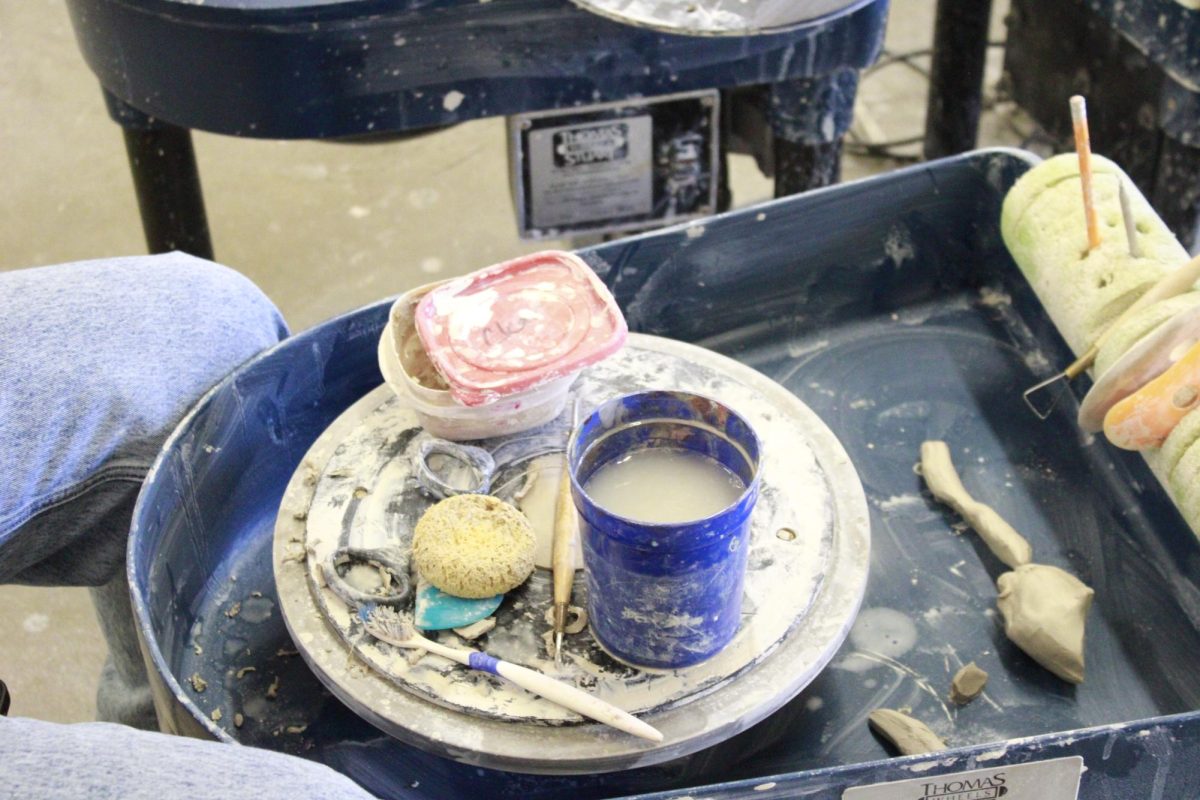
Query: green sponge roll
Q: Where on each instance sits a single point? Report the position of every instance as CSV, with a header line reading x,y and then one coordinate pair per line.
x,y
1180,442
1184,482
1144,322
1045,175
1083,291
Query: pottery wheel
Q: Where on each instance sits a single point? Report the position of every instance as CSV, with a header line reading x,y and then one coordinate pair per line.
x,y
805,577
717,17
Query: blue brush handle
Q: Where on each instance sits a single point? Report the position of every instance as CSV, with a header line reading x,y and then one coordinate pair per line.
x,y
484,663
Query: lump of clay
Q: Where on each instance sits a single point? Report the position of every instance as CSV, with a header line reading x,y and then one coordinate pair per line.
x,y
473,546
910,736
1001,538
967,684
1044,610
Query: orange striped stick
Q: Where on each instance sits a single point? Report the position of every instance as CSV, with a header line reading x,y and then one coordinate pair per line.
x,y
1083,147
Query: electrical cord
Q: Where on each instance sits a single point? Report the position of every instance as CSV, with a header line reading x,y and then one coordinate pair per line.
x,y
890,148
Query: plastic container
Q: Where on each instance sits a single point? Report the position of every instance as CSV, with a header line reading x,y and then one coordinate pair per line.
x,y
408,371
518,325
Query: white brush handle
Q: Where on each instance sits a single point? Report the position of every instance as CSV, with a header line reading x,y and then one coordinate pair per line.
x,y
564,694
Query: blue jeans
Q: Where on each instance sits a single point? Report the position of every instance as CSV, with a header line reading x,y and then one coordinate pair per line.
x,y
98,362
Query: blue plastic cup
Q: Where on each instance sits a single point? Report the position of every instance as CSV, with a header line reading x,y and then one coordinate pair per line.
x,y
664,595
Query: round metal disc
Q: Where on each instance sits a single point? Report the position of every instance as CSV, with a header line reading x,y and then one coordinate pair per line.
x,y
825,517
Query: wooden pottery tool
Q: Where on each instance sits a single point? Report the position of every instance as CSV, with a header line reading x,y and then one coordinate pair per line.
x,y
1169,285
566,533
1150,357
566,526
1143,419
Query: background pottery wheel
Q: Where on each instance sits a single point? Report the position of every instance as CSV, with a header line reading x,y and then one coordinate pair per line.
x,y
802,592
717,17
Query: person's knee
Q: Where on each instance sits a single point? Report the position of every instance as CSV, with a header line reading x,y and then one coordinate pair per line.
x,y
143,337
101,359
214,314
198,298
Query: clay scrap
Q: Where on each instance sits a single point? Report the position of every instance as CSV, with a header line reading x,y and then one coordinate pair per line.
x,y
476,629
943,481
910,736
967,684
1044,610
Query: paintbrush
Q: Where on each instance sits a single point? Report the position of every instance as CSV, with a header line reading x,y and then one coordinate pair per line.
x,y
387,625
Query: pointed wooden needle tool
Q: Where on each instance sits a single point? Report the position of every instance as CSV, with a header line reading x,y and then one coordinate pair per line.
x,y
1083,147
562,552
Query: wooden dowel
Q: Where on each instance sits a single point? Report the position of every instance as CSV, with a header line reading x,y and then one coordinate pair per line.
x,y
1083,148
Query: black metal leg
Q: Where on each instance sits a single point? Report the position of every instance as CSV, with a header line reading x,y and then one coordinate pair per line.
x,y
724,193
167,182
809,117
800,166
956,77
1176,194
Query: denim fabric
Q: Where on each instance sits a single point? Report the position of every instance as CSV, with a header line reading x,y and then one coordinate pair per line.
x,y
100,761
98,362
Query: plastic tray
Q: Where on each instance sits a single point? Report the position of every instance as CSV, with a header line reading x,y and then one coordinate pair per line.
x,y
891,307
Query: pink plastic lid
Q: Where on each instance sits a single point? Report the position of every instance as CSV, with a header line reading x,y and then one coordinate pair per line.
x,y
518,324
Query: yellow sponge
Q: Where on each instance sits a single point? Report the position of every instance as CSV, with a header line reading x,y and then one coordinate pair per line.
x,y
474,546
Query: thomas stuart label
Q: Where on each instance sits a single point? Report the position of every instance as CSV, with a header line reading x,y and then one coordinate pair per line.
x,y
1056,779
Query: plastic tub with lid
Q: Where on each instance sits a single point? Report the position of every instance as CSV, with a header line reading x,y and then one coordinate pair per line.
x,y
496,352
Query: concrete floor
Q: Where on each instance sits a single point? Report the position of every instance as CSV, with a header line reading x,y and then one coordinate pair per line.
x,y
322,228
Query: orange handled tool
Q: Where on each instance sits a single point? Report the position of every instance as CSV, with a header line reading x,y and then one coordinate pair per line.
x,y
1144,419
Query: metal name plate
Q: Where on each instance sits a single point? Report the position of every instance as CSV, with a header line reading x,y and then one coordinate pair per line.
x,y
615,166
1055,779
